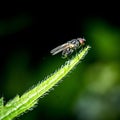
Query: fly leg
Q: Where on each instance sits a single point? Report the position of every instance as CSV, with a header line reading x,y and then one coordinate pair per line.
x,y
79,50
66,53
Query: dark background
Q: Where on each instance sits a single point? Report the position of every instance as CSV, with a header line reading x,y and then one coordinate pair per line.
x,y
29,30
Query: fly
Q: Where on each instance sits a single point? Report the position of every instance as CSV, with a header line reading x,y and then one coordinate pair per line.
x,y
68,47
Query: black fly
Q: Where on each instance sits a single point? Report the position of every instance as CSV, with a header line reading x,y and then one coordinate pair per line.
x,y
69,47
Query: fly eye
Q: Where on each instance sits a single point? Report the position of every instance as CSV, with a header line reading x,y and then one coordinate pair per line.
x,y
82,42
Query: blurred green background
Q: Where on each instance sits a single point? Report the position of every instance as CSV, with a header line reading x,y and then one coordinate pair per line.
x,y
91,91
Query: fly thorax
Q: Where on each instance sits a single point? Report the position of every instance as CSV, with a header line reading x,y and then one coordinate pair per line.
x,y
74,43
71,45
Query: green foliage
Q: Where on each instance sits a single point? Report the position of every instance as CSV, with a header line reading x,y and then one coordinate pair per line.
x,y
1,102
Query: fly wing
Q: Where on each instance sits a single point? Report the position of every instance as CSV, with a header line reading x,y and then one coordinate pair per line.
x,y
59,49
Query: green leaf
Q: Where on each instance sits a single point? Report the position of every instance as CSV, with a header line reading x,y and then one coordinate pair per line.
x,y
19,105
1,102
